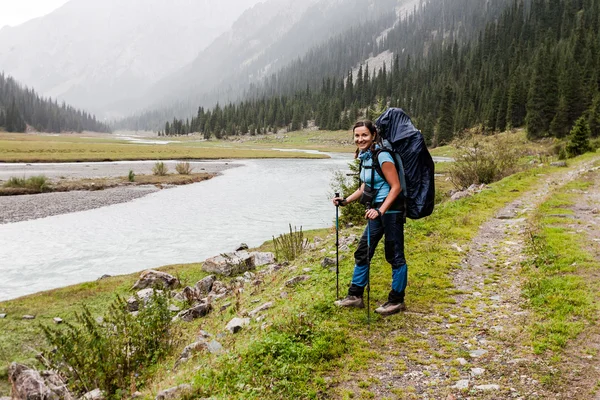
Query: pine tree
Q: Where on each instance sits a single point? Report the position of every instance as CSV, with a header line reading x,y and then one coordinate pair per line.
x,y
444,130
579,140
559,127
593,116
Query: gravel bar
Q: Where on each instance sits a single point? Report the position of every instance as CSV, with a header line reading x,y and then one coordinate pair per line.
x,y
33,206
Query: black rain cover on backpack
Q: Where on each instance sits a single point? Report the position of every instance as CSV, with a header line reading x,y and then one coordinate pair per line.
x,y
406,140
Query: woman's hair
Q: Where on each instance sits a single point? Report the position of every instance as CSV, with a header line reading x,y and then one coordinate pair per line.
x,y
371,127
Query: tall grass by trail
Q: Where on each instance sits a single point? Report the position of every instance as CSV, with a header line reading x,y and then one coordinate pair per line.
x,y
35,183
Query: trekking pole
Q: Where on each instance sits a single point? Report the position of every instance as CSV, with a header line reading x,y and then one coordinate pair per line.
x,y
368,267
337,248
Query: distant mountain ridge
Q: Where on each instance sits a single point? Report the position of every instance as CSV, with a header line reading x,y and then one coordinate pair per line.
x,y
98,54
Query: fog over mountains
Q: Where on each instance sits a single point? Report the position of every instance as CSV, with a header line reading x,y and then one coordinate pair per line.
x,y
101,54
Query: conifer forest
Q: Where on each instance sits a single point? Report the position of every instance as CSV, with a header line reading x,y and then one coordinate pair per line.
x,y
20,106
532,64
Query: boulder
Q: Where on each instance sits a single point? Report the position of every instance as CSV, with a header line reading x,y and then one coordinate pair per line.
x,y
95,394
219,287
205,284
152,278
262,258
264,307
190,350
193,313
29,384
174,392
229,263
105,276
348,240
144,295
236,324
242,246
191,294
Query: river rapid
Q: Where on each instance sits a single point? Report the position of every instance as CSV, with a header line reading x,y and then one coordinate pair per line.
x,y
186,224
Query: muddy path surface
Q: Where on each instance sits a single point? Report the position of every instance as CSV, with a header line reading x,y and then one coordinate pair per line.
x,y
487,322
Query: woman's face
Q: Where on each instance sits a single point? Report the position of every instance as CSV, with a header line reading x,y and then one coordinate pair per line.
x,y
363,138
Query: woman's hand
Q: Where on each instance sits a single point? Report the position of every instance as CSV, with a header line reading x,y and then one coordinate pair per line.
x,y
338,201
372,213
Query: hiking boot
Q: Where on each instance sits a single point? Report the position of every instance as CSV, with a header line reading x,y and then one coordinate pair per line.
x,y
390,308
350,301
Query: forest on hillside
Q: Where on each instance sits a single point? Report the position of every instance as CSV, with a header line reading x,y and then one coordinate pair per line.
x,y
21,106
531,64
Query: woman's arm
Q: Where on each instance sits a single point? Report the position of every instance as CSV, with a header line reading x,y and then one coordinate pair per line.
x,y
391,177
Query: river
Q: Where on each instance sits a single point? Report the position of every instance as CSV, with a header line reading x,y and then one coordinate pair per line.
x,y
186,224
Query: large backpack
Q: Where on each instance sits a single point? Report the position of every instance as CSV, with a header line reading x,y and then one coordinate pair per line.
x,y
413,161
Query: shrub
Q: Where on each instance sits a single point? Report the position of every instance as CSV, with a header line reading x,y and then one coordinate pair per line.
x,y
346,185
484,160
160,169
110,354
131,176
288,246
35,183
183,168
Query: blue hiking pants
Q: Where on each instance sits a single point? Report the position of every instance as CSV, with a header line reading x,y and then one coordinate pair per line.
x,y
390,225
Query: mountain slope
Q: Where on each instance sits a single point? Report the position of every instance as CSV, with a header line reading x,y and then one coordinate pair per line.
x,y
96,54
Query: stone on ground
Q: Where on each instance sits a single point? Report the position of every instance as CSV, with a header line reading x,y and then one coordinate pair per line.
x,y
229,263
294,281
27,383
199,311
95,394
236,324
151,278
174,393
264,307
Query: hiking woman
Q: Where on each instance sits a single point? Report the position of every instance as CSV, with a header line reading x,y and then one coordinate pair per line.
x,y
385,218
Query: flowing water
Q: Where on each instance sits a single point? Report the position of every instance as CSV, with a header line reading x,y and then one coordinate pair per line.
x,y
186,224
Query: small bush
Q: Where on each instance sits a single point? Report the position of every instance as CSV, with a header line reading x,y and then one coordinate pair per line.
x,y
484,160
288,246
35,183
113,354
131,176
160,169
183,168
346,185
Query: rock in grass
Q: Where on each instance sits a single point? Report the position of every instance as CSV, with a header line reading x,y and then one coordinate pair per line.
x,y
236,324
264,307
462,384
57,320
151,278
242,246
193,313
28,316
174,392
327,261
477,353
229,263
144,295
559,164
27,383
2,316
294,281
477,371
487,387
204,285
262,258
95,394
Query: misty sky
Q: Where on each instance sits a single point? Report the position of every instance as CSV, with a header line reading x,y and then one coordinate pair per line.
x,y
15,12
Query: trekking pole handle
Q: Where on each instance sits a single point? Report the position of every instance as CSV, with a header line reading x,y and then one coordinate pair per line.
x,y
338,202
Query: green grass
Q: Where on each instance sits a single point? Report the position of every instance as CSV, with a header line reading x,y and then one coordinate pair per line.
x,y
43,148
558,291
36,184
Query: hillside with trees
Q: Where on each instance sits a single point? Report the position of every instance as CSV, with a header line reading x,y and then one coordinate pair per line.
x,y
532,64
21,106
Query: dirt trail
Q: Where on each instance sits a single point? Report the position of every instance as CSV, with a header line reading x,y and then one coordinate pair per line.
x,y
487,322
